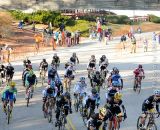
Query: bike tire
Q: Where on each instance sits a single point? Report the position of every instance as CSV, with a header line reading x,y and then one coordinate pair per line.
x,y
28,98
153,125
138,122
139,89
49,117
8,115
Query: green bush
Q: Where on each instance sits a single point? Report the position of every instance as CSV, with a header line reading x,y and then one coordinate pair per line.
x,y
154,19
117,19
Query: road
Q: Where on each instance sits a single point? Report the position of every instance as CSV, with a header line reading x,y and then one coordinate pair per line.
x,y
31,118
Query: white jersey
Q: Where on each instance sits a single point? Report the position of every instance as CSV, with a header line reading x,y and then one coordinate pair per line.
x,y
80,88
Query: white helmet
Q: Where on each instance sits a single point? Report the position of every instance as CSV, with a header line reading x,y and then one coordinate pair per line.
x,y
157,92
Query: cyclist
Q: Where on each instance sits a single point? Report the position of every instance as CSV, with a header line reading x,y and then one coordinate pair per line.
x,y
117,77
25,72
80,88
139,74
9,94
56,60
112,90
26,62
51,92
2,72
97,119
97,79
69,75
103,60
74,59
148,106
59,85
9,72
30,81
92,100
43,67
63,102
91,65
52,73
114,106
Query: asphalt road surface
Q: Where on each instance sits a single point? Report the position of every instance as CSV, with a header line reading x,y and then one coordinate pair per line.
x,y
31,118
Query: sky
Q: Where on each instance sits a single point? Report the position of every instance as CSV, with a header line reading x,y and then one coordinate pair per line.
x,y
131,13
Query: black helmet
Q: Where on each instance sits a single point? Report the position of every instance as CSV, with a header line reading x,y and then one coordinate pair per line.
x,y
103,56
44,60
97,73
94,91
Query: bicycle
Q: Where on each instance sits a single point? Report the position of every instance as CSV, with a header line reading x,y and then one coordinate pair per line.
x,y
67,83
137,84
29,95
62,120
42,75
116,122
78,102
86,114
91,72
8,113
151,125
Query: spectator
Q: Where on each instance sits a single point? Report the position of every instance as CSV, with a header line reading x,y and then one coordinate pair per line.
x,y
60,39
63,39
133,42
123,41
145,43
154,35
68,38
77,37
72,38
21,24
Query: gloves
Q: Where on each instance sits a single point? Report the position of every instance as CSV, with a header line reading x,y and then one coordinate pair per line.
x,y
125,116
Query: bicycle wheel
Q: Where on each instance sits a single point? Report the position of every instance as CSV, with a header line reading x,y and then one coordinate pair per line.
x,y
49,116
139,89
62,123
138,123
28,98
8,114
151,126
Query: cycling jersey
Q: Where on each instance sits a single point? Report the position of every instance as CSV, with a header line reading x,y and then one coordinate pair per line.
x,y
52,73
80,88
50,92
9,70
97,80
2,71
55,59
117,77
95,121
9,94
91,65
149,103
110,93
138,72
44,65
69,72
31,79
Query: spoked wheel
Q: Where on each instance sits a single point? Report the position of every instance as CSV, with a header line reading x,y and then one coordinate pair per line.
x,y
84,117
151,126
76,105
28,98
138,89
8,114
138,123
61,124
49,116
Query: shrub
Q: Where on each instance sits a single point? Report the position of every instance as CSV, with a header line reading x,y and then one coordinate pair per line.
x,y
154,19
117,19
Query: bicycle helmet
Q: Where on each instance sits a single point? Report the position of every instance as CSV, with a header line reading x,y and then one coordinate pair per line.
x,y
74,54
94,91
92,56
12,84
29,67
82,79
44,60
118,96
97,73
102,111
140,66
114,68
103,56
157,92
